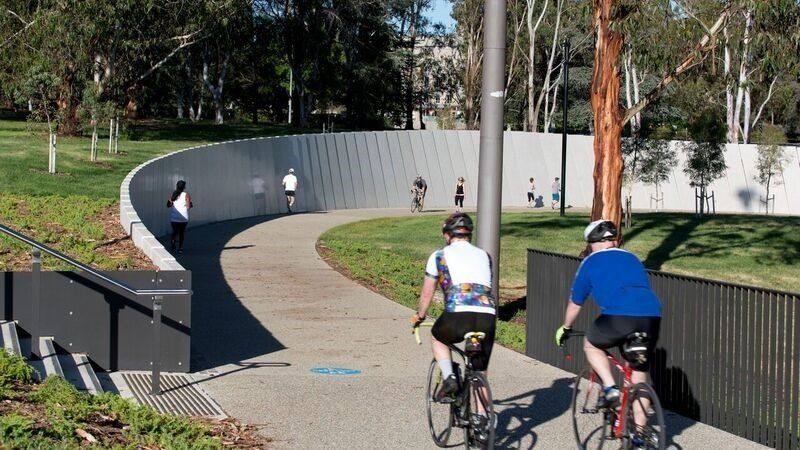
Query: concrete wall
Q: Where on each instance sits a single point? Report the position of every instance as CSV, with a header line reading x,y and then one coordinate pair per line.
x,y
374,170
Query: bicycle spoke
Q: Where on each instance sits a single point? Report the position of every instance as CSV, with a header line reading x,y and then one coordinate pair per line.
x,y
440,415
644,420
589,423
480,431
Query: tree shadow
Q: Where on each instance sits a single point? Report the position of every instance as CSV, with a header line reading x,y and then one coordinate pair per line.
x,y
224,331
530,410
675,393
508,310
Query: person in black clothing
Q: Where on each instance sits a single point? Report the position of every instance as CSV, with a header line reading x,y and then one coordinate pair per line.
x,y
460,195
419,186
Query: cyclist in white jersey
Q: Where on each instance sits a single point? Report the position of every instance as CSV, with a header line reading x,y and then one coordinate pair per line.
x,y
464,273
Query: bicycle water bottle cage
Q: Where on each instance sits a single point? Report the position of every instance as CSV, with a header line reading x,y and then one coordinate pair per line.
x,y
473,341
634,350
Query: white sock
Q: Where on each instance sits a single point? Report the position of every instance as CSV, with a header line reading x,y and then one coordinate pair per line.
x,y
447,368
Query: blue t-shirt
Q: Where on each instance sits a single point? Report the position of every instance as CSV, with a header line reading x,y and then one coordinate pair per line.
x,y
617,281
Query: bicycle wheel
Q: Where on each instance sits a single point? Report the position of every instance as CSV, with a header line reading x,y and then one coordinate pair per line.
x,y
440,415
588,422
650,435
479,432
414,204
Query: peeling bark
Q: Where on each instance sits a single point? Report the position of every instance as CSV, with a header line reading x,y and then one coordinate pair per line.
x,y
607,116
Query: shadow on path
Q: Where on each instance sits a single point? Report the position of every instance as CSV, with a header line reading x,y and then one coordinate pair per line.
x,y
522,413
223,329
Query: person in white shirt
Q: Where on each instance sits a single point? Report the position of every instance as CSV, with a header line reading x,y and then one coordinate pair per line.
x,y
179,204
290,187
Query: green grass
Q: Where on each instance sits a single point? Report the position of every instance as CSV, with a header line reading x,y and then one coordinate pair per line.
x,y
47,415
64,210
23,154
390,254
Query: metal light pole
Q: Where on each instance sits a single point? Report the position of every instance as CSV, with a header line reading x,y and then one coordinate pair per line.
x,y
564,129
490,164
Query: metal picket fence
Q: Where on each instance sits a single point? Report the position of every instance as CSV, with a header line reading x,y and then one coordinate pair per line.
x,y
728,354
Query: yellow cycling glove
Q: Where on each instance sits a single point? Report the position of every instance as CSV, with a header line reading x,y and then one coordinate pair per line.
x,y
562,334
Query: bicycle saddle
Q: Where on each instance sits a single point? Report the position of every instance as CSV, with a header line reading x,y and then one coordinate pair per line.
x,y
634,350
473,341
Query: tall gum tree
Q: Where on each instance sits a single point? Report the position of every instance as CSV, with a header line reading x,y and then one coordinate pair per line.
x,y
609,118
608,124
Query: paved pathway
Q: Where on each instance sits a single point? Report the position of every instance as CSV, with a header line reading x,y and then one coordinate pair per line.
x,y
267,310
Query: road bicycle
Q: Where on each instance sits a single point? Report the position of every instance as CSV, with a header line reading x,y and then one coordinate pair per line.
x,y
470,408
597,428
416,201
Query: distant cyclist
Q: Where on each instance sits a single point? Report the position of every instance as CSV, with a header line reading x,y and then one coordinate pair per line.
x,y
617,281
419,187
464,273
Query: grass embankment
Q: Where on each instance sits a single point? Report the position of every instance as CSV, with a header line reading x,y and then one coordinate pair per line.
x,y
53,415
389,254
75,210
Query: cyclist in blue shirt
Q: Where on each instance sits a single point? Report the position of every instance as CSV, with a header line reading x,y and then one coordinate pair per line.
x,y
617,281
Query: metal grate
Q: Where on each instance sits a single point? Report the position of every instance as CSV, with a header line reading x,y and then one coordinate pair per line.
x,y
181,395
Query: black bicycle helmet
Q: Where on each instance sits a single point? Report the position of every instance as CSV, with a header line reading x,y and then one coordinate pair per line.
x,y
458,224
599,231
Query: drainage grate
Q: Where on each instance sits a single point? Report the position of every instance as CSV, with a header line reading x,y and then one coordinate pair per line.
x,y
181,395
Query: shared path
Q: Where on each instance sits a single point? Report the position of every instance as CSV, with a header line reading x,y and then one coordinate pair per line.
x,y
271,321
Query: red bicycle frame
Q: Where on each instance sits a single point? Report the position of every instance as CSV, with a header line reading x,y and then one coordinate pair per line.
x,y
627,371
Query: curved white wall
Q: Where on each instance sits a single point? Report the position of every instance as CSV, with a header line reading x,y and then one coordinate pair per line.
x,y
239,179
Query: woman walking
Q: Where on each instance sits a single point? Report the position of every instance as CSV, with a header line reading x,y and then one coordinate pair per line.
x,y
460,194
179,203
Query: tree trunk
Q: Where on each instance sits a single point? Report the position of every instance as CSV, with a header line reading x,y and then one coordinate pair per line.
x,y
181,101
216,91
544,94
729,89
532,29
607,118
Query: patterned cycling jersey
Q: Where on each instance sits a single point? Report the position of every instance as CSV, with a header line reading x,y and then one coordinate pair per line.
x,y
471,290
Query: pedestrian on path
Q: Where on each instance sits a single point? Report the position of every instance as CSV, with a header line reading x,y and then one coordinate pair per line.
x,y
290,185
556,188
460,194
179,204
531,189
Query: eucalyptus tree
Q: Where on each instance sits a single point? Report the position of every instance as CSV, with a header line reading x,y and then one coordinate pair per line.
x,y
772,158
705,153
611,19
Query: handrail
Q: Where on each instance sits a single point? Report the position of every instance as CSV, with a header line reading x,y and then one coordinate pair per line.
x,y
137,292
156,295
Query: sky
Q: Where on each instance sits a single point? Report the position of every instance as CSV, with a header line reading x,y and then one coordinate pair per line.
x,y
440,12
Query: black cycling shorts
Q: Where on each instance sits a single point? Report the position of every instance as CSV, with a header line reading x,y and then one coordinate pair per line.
x,y
289,193
612,331
451,327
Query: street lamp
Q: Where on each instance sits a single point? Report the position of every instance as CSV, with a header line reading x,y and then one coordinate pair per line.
x,y
490,164
565,68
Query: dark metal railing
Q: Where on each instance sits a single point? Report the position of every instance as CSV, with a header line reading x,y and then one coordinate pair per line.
x,y
728,354
156,295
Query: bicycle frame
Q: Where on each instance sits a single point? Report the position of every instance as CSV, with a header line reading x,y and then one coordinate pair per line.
x,y
618,428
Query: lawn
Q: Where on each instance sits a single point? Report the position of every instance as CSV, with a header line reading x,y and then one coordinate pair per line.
x,y
746,249
75,209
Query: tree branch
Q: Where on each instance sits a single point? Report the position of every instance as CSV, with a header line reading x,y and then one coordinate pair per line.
x,y
185,41
13,36
761,108
692,60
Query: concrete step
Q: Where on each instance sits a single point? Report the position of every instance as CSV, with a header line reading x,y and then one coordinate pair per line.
x,y
10,337
79,372
51,364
